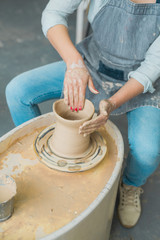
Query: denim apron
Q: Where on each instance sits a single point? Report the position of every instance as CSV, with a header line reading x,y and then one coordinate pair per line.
x,y
122,33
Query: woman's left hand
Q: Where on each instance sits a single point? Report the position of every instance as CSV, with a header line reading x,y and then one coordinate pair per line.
x,y
105,108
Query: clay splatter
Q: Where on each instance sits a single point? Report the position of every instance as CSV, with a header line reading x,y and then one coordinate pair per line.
x,y
14,164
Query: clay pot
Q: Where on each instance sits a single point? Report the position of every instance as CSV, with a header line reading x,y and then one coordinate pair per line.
x,y
66,140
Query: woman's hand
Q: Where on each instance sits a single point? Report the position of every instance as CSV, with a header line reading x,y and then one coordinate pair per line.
x,y
77,76
76,80
105,108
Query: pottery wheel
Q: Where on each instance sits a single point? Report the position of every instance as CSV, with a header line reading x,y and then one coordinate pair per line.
x,y
91,157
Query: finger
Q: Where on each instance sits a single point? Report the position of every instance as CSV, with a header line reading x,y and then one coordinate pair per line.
x,y
90,130
66,94
70,96
75,99
103,112
95,126
92,87
81,98
93,121
90,126
82,90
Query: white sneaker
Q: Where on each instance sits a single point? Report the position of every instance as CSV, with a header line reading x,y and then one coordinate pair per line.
x,y
129,209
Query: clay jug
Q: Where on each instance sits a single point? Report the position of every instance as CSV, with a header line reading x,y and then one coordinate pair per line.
x,y
66,140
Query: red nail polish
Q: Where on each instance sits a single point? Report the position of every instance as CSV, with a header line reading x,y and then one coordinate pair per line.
x,y
76,109
71,108
80,108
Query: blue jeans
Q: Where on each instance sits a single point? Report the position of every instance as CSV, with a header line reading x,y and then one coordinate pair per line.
x,y
27,90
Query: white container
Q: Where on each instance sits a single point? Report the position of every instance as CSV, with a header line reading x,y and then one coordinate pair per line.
x,y
94,223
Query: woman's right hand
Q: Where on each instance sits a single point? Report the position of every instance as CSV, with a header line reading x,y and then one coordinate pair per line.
x,y
77,78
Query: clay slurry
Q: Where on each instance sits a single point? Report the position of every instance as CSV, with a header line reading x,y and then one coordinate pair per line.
x,y
7,188
60,196
6,193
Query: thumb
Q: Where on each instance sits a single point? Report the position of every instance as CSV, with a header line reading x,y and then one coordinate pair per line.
x,y
103,111
103,108
92,87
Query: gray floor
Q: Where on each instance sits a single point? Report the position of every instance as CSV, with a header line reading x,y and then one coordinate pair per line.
x,y
23,47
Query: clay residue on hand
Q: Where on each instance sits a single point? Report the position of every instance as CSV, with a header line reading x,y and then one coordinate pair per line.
x,y
48,199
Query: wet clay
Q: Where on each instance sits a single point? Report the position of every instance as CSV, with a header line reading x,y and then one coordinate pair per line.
x,y
61,110
67,130
47,199
6,193
7,188
70,116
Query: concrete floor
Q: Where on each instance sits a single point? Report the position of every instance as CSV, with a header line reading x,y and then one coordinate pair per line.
x,y
23,47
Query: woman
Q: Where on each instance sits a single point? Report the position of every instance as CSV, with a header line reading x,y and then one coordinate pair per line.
x,y
120,63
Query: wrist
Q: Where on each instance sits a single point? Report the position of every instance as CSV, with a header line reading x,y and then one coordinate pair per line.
x,y
106,106
112,103
74,59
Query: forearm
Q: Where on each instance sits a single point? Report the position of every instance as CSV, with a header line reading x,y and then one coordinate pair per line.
x,y
77,76
130,90
60,40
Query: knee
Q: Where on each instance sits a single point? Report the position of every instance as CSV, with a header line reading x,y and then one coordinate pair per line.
x,y
12,87
15,90
146,155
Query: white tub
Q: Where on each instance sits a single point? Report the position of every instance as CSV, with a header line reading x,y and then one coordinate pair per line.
x,y
95,222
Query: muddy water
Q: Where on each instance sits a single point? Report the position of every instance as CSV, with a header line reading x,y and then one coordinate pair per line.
x,y
7,188
47,199
6,193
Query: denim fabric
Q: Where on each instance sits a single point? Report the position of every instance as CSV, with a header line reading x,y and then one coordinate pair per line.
x,y
133,24
130,30
144,141
117,52
136,25
27,90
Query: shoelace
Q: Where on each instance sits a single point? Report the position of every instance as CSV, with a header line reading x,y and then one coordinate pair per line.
x,y
130,196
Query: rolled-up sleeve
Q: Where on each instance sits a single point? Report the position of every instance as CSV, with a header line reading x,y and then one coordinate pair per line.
x,y
149,70
56,12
